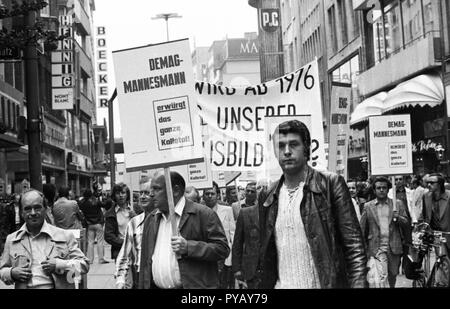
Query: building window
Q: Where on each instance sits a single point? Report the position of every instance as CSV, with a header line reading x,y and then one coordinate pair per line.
x,y
8,114
343,21
393,31
18,82
332,27
2,110
431,16
45,12
412,20
84,137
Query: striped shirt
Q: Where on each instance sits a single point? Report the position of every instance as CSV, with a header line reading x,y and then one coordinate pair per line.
x,y
130,253
165,269
296,268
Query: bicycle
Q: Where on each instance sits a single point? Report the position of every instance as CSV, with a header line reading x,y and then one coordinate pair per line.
x,y
424,240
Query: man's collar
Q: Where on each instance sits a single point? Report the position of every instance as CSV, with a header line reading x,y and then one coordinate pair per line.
x,y
24,230
388,201
116,209
179,207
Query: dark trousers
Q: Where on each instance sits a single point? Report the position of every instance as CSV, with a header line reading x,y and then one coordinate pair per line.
x,y
226,279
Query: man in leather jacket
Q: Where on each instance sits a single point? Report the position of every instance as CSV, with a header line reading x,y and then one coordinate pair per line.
x,y
309,231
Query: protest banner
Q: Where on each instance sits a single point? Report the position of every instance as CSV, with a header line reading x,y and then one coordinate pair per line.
x,y
390,145
156,95
273,170
235,117
341,96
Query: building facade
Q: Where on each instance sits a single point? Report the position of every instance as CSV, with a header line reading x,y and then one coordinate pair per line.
x,y
304,39
67,137
234,62
401,73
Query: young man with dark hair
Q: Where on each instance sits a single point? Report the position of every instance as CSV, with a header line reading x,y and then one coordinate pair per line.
x,y
310,235
188,259
383,226
248,201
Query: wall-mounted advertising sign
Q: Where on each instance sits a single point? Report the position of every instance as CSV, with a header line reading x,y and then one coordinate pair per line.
x,y
63,78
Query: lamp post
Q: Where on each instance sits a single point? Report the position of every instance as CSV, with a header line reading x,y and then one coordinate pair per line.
x,y
166,17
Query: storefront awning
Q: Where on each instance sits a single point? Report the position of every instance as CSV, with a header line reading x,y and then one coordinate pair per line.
x,y
9,142
372,106
420,91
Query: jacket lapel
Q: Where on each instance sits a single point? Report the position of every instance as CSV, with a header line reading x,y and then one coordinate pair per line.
x,y
391,209
373,210
443,205
187,211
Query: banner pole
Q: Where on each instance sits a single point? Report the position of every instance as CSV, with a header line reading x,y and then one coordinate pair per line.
x,y
394,195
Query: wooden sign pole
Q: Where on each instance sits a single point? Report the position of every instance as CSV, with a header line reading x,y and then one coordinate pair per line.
x,y
394,195
172,216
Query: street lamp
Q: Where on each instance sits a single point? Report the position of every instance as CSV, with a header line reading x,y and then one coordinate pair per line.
x,y
166,17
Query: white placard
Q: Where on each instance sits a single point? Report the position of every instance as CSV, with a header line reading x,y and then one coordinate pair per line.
x,y
157,104
390,145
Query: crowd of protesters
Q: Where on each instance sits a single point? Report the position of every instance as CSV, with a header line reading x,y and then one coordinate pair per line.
x,y
306,230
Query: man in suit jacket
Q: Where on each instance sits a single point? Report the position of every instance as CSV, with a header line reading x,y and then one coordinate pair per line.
x,y
383,227
189,259
225,214
436,210
246,247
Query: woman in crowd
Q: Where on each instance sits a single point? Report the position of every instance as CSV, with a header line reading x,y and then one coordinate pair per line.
x,y
117,218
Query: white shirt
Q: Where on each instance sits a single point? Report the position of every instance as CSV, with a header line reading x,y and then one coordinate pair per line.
x,y
165,269
296,268
123,217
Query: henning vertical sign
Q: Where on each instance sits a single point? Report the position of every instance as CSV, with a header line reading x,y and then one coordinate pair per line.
x,y
63,78
101,68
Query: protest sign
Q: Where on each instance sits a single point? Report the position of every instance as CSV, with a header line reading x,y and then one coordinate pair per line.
x,y
235,117
197,175
390,145
341,96
156,94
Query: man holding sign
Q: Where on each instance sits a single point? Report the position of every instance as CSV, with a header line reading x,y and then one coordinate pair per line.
x,y
310,235
187,260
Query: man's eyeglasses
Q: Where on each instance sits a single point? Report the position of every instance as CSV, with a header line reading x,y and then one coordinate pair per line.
x,y
431,182
146,193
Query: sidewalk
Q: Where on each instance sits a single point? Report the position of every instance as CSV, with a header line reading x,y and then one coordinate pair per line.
x,y
101,276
